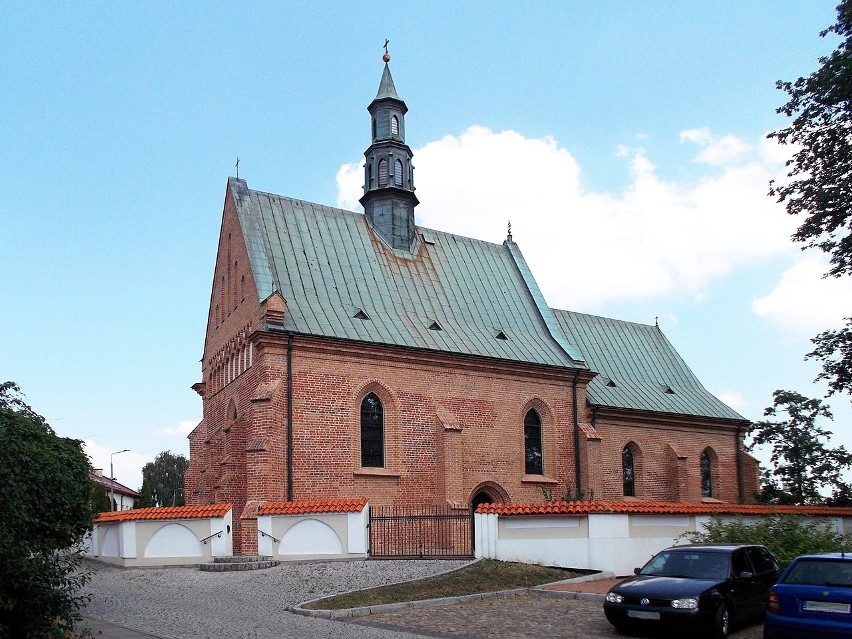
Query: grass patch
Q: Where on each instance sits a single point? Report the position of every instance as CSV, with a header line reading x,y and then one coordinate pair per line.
x,y
487,575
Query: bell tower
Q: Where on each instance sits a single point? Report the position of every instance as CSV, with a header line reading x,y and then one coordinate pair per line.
x,y
389,198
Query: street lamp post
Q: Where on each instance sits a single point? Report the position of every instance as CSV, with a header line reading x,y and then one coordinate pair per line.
x,y
112,478
174,495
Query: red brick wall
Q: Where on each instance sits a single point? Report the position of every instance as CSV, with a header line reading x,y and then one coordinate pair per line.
x,y
489,403
660,441
217,466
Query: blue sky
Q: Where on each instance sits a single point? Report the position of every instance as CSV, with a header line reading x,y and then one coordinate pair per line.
x,y
624,140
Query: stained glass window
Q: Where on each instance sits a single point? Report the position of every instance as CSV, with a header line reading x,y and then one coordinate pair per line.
x,y
372,432
532,443
627,472
706,475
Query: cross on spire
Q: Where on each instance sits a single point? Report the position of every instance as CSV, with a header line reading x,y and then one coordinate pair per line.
x,y
238,167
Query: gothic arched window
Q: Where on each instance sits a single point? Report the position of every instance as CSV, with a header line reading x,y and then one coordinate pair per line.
x,y
383,172
397,173
532,443
628,474
372,432
394,125
706,475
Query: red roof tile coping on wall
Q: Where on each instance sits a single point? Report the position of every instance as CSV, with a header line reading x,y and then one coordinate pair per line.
x,y
655,508
173,512
313,507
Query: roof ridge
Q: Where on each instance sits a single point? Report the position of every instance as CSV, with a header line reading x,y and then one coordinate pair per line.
x,y
551,325
604,317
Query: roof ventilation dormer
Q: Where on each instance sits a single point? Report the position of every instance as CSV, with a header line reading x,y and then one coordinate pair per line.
x,y
434,326
361,315
501,335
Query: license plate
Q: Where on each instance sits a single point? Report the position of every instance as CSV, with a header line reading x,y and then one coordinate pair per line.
x,y
826,606
643,614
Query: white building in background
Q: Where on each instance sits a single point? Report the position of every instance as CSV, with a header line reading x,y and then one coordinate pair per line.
x,y
122,497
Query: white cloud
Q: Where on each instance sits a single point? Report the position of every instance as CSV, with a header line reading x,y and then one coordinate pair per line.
x,y
716,150
350,182
183,429
653,239
803,301
734,400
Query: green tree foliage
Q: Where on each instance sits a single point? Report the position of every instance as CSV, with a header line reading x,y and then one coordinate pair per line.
x,y
162,479
144,500
803,464
786,536
834,350
45,509
820,178
820,184
100,498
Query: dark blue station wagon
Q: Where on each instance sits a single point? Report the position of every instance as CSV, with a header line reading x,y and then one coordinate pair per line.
x,y
694,589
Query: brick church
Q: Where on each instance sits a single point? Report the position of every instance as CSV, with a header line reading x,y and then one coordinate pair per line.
x,y
359,355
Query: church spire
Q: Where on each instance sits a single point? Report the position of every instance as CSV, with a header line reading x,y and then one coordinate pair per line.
x,y
389,198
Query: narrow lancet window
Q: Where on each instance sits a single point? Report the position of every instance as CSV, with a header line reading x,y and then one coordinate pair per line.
x,y
706,475
532,443
394,125
372,432
627,472
383,172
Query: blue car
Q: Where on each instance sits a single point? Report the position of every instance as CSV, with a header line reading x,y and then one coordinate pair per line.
x,y
813,598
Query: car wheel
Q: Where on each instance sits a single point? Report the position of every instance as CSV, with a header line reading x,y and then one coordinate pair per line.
x,y
721,622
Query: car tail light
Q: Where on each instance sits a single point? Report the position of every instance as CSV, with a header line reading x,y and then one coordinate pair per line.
x,y
773,605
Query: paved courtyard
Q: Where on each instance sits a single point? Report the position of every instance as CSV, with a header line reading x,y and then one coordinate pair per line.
x,y
184,603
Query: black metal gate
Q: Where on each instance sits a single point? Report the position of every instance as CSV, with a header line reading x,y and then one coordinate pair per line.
x,y
420,531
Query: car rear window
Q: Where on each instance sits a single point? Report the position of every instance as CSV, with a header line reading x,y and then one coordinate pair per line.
x,y
818,572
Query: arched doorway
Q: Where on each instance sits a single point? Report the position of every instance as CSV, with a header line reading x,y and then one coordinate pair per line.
x,y
488,492
481,497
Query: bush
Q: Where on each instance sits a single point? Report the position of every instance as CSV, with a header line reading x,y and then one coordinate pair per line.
x,y
786,536
45,509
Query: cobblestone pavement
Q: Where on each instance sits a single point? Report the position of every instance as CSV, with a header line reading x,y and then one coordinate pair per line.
x,y
524,617
185,603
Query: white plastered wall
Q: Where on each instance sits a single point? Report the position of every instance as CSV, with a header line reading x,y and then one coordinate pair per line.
x,y
313,536
169,542
612,542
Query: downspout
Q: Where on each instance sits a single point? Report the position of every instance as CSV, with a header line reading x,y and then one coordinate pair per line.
x,y
577,474
289,418
740,488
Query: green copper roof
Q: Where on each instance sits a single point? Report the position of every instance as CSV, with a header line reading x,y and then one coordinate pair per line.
x,y
386,86
638,368
451,294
